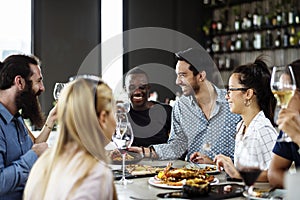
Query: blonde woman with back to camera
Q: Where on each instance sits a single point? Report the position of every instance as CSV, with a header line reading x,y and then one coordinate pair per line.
x,y
76,167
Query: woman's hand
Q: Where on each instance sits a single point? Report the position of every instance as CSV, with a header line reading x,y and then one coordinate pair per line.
x,y
289,122
52,117
227,164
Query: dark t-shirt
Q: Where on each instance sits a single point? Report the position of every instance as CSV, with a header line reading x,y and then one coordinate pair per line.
x,y
151,126
287,150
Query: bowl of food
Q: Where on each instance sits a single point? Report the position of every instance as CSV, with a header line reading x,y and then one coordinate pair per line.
x,y
196,187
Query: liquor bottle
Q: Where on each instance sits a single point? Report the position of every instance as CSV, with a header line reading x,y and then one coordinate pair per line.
x,y
213,27
206,2
269,39
286,38
279,18
247,44
237,23
232,46
296,16
277,41
257,40
249,20
255,19
238,42
290,16
267,22
219,26
292,39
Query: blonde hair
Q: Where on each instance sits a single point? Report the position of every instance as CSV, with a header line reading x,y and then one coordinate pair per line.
x,y
81,141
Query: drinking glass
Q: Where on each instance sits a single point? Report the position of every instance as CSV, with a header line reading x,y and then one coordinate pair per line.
x,y
283,86
249,166
123,106
57,90
123,138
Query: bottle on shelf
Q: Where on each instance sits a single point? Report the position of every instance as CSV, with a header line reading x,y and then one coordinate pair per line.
x,y
267,19
213,27
269,39
237,23
292,39
206,2
296,16
232,44
277,41
249,20
237,20
257,40
278,17
286,38
247,44
290,16
256,19
238,42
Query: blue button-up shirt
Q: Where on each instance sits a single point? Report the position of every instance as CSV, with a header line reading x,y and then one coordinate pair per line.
x,y
16,156
191,130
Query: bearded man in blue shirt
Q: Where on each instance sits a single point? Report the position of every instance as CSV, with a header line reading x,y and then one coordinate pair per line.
x,y
21,83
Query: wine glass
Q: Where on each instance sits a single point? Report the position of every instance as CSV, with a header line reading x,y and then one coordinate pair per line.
x,y
283,86
249,165
57,90
123,106
123,138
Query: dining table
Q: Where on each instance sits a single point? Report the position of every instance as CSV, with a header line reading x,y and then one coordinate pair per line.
x,y
140,189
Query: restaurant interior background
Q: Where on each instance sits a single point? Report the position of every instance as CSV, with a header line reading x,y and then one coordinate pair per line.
x,y
232,31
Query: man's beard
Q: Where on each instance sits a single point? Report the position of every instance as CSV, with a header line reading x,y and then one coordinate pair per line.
x,y
29,103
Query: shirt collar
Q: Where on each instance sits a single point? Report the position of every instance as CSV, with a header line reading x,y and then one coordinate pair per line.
x,y
220,96
6,115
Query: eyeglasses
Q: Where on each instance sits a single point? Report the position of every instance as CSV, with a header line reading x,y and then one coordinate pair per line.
x,y
235,89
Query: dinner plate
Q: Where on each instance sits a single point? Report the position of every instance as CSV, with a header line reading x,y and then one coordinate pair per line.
x,y
203,166
217,192
276,193
157,183
136,158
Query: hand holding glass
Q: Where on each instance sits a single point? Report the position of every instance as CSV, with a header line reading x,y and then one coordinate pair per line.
x,y
283,86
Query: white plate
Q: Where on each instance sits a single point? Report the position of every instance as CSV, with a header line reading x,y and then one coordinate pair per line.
x,y
276,193
155,182
202,166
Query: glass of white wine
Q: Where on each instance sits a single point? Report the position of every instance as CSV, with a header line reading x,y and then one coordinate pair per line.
x,y
283,86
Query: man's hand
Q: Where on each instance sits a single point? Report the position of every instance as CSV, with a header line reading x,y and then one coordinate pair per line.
x,y
198,157
40,148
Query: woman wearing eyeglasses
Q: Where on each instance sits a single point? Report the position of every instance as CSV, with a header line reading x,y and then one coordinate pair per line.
x,y
249,94
76,167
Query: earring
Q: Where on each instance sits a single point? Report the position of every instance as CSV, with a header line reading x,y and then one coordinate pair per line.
x,y
247,102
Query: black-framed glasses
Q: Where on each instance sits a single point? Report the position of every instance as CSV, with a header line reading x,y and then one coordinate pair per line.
x,y
235,89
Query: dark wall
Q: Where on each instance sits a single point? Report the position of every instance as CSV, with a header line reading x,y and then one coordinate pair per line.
x,y
180,15
64,33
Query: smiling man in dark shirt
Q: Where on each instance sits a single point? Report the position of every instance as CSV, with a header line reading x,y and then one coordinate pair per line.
x,y
150,120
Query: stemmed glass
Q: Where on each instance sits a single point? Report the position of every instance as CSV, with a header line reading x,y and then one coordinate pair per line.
x,y
123,138
249,166
283,86
57,90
